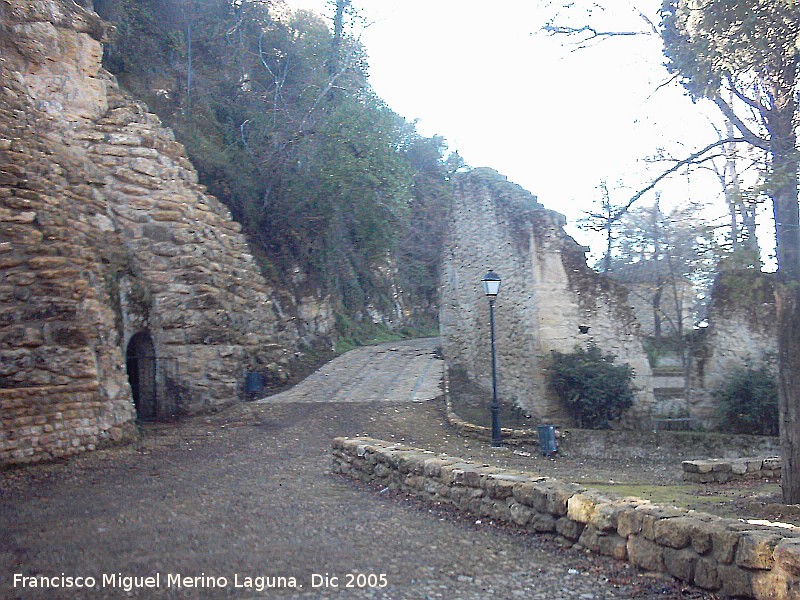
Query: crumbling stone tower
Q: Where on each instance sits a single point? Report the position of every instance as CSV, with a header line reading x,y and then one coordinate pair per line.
x,y
550,299
124,285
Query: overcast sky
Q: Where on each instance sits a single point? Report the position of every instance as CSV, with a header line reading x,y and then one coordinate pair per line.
x,y
554,118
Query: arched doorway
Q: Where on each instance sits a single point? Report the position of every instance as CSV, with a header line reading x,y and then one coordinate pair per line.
x,y
141,363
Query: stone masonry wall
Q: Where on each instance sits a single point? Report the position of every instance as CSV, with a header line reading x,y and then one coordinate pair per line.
x,y
62,389
105,233
721,470
728,556
742,332
548,293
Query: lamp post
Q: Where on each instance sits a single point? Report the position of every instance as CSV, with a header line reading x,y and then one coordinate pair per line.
x,y
491,287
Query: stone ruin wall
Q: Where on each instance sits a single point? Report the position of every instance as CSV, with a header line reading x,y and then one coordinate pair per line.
x,y
105,233
742,332
547,293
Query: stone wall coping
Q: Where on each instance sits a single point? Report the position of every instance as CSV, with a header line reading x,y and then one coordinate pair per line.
x,y
733,557
717,470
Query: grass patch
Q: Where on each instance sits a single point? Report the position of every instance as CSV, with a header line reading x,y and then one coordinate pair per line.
x,y
353,334
366,336
676,495
729,500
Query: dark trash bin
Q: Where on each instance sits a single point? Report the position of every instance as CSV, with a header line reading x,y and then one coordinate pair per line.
x,y
254,385
548,445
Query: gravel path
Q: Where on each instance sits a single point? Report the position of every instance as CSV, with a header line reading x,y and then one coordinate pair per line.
x,y
245,497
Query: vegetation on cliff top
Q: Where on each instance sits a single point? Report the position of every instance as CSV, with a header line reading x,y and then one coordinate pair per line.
x,y
277,114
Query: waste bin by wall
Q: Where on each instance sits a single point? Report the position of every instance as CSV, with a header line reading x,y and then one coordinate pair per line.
x,y
253,385
547,439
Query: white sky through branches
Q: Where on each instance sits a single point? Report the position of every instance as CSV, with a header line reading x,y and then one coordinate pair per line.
x,y
553,118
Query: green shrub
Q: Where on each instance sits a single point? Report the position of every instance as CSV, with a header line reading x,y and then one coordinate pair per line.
x,y
352,333
592,387
748,402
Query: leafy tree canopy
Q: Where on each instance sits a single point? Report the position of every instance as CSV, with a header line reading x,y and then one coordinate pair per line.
x,y
750,49
711,44
277,114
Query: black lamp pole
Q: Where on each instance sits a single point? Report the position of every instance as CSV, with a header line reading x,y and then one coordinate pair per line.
x,y
491,285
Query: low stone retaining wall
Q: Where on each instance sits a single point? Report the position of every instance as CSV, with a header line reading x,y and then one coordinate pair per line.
x,y
728,556
510,436
720,470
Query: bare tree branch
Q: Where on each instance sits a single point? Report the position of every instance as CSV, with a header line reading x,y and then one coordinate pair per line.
x,y
646,19
755,104
590,33
749,136
593,33
662,85
692,158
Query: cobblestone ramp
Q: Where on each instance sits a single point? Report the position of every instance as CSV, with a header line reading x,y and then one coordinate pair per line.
x,y
407,371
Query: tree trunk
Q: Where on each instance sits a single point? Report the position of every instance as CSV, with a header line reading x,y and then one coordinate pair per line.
x,y
787,237
788,318
334,64
609,242
788,305
730,183
750,242
656,304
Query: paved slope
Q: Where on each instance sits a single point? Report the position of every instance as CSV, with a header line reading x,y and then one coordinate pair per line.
x,y
407,371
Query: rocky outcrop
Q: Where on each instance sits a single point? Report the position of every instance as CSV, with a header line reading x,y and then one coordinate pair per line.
x,y
550,299
123,283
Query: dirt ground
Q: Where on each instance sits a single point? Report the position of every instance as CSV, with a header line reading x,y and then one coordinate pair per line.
x,y
655,478
248,492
